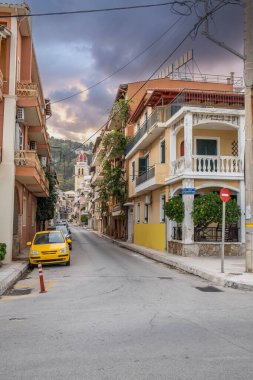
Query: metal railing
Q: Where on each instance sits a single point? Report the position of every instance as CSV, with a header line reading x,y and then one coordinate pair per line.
x,y
197,77
214,234
210,234
177,233
150,173
160,115
209,98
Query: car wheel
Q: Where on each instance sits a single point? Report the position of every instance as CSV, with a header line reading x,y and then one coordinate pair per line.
x,y
68,263
70,247
31,266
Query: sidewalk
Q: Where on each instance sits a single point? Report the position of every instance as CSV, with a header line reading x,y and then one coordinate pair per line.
x,y
10,273
204,267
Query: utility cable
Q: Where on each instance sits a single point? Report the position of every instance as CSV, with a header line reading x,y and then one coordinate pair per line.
x,y
122,67
186,3
195,27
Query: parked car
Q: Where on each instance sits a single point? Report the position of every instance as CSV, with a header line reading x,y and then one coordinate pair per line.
x,y
65,230
49,247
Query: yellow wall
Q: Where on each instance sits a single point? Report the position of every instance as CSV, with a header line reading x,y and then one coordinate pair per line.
x,y
150,235
225,139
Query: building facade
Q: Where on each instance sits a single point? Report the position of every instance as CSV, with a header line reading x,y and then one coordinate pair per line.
x,y
24,148
185,143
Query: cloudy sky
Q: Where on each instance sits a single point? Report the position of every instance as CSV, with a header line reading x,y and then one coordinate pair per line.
x,y
76,51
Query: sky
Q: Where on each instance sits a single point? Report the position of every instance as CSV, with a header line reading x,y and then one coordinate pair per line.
x,y
76,51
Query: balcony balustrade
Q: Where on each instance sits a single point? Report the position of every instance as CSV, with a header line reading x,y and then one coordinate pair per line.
x,y
27,89
145,176
209,165
30,172
151,179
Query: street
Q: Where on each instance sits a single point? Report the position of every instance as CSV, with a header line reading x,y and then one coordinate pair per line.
x,y
114,314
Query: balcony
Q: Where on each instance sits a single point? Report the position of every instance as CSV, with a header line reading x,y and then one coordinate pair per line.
x,y
117,210
148,131
31,99
211,166
30,173
153,178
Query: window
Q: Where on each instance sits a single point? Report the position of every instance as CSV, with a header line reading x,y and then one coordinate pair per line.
x,y
162,150
133,170
146,214
138,212
162,212
24,212
206,147
33,214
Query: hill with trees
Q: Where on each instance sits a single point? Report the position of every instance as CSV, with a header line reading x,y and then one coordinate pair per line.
x,y
64,154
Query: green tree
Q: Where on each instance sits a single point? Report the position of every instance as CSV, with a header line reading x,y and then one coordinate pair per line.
x,y
46,206
174,209
207,209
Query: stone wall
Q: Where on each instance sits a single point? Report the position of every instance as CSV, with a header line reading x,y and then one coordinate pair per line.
x,y
205,249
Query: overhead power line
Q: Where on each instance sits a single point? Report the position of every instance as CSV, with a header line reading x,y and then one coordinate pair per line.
x,y
193,30
122,67
186,3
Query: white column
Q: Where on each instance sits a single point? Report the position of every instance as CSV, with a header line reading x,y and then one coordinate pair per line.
x,y
188,226
241,202
7,167
173,146
241,139
188,141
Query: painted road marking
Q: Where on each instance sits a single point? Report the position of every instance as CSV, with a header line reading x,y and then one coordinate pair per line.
x,y
34,293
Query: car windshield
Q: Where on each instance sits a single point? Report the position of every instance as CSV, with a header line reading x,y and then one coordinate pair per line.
x,y
49,238
62,228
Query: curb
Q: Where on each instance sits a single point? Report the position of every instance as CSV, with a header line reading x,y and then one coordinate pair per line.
x,y
11,278
220,279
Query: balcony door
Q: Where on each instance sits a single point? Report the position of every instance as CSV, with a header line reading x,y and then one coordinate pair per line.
x,y
207,147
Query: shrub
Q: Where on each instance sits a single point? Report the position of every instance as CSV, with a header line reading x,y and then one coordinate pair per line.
x,y
2,251
174,209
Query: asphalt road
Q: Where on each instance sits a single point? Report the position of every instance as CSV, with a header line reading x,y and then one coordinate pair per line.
x,y
114,314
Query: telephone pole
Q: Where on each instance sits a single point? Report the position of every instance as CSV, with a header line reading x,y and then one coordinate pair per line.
x,y
248,79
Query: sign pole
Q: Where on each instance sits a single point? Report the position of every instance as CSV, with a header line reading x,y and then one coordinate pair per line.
x,y
225,197
223,235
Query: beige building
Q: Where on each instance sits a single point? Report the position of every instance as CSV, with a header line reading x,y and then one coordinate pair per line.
x,y
186,143
24,148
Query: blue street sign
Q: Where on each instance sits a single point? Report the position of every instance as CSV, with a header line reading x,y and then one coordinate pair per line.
x,y
189,190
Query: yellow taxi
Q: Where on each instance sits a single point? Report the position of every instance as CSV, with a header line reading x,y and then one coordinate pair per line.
x,y
49,247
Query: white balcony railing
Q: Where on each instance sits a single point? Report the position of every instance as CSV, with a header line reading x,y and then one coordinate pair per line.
x,y
178,166
217,164
209,165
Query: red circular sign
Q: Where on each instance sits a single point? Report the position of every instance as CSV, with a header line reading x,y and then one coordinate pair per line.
x,y
225,195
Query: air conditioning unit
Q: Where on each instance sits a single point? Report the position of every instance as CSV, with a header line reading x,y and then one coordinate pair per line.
x,y
20,115
148,199
43,161
33,145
